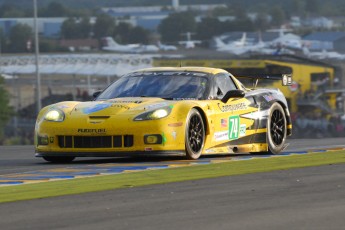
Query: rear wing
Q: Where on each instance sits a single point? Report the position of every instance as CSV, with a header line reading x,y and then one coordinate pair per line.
x,y
285,78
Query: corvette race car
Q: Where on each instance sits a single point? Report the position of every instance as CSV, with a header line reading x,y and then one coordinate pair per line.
x,y
185,111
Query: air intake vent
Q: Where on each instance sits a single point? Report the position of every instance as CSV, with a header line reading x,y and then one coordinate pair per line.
x,y
92,142
117,141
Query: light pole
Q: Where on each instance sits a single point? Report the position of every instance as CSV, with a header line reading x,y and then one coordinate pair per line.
x,y
38,76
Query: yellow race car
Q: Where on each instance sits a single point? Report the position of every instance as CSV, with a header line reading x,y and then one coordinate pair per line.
x,y
185,111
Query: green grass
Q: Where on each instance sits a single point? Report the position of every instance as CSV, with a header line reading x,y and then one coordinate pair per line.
x,y
150,177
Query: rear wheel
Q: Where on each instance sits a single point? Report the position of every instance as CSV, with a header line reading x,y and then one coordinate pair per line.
x,y
59,160
276,129
195,135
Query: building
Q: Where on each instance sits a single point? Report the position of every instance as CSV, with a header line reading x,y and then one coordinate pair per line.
x,y
48,27
329,40
320,23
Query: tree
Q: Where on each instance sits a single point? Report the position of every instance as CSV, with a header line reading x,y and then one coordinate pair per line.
x,y
104,26
20,35
175,24
261,22
278,16
312,6
122,32
244,24
222,11
5,110
208,28
84,27
69,29
54,9
138,35
298,7
126,33
11,11
239,11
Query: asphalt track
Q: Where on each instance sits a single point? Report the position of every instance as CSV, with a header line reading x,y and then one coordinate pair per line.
x,y
19,159
307,198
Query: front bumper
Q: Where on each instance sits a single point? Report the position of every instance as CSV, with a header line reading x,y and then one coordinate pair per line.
x,y
110,154
109,138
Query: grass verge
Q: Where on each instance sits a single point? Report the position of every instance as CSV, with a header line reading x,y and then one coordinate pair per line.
x,y
150,177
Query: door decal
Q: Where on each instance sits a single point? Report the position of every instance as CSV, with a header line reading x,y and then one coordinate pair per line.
x,y
234,125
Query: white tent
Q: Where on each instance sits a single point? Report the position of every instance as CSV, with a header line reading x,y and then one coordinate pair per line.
x,y
78,64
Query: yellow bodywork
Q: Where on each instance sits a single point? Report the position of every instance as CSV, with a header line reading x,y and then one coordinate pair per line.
x,y
115,118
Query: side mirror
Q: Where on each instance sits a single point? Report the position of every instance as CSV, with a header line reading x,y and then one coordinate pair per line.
x,y
95,94
233,94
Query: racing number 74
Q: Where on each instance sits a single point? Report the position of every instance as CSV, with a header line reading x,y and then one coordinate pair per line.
x,y
234,123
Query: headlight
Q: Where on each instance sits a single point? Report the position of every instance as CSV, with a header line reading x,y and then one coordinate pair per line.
x,y
154,114
55,115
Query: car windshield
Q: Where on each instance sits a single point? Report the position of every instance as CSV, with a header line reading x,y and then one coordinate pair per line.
x,y
167,85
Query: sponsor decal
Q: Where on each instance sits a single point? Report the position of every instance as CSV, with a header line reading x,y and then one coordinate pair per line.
x,y
95,122
127,102
166,73
120,106
164,139
234,123
178,124
148,149
210,151
96,108
268,98
243,129
235,107
221,136
185,99
92,130
224,123
155,106
62,106
174,134
235,130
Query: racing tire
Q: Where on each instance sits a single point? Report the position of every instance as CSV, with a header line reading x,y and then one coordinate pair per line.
x,y
276,129
59,160
195,135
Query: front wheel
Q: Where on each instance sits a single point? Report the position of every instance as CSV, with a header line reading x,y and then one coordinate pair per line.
x,y
276,129
59,160
195,135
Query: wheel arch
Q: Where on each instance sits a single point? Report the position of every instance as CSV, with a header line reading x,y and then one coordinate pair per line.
x,y
203,115
195,138
287,115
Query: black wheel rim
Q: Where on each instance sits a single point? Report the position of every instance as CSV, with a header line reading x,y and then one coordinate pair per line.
x,y
277,127
195,133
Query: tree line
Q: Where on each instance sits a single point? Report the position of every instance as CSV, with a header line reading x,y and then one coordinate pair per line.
x,y
65,8
78,25
20,37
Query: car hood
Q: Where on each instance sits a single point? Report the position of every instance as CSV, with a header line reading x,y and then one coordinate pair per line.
x,y
114,106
